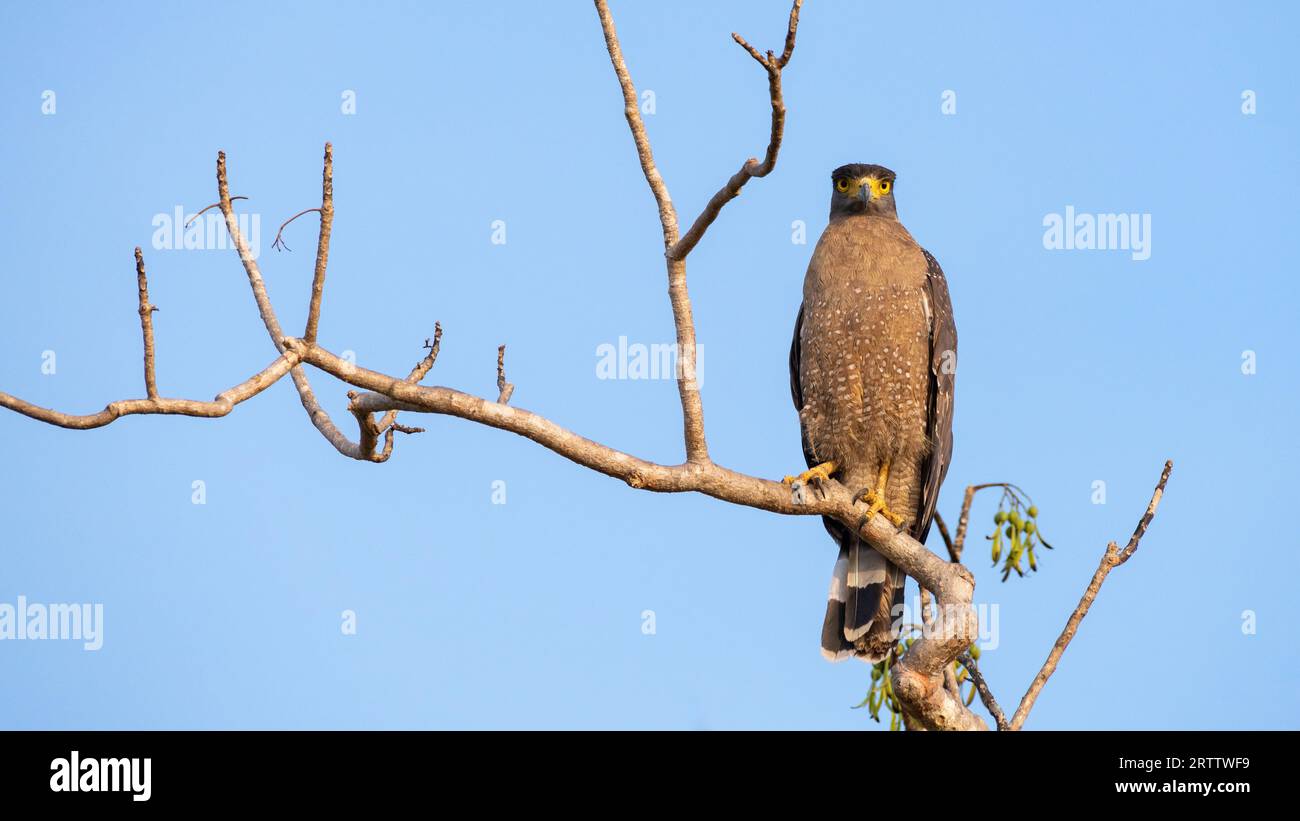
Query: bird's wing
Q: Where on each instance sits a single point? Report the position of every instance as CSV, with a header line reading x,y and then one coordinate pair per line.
x,y
838,532
943,365
796,388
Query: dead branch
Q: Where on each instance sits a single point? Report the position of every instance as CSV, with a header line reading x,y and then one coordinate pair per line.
x,y
1111,559
982,687
752,167
220,406
504,388
955,545
417,373
146,325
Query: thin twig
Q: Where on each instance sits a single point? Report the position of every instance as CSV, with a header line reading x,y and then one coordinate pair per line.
x,y
417,373
146,325
751,167
209,208
956,545
280,244
947,537
504,388
982,687
1111,559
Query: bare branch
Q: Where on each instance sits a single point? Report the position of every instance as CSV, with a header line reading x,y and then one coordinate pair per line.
x,y
697,449
146,325
220,406
947,537
982,687
676,250
322,244
752,167
1111,559
417,373
631,110
955,546
504,388
319,418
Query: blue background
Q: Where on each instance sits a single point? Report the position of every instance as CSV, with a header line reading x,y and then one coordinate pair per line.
x,y
1076,366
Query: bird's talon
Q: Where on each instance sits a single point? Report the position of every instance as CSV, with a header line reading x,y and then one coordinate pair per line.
x,y
819,473
876,504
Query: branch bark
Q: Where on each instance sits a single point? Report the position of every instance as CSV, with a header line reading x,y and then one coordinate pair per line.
x,y
982,687
146,325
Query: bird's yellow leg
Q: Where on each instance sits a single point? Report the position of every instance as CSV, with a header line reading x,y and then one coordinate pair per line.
x,y
820,472
875,497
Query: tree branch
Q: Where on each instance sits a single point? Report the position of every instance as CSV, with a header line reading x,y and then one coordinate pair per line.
x,y
1111,559
676,250
982,687
220,406
319,418
953,553
322,244
146,325
752,167
504,389
417,373
955,546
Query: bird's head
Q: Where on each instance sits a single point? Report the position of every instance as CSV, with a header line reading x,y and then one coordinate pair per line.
x,y
859,188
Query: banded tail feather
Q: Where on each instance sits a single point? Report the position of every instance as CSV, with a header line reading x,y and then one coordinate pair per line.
x,y
861,604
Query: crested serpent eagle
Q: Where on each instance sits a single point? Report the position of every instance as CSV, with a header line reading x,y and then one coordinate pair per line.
x,y
872,367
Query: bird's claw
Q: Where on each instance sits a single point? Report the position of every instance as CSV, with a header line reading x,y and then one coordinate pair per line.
x,y
799,484
876,504
820,473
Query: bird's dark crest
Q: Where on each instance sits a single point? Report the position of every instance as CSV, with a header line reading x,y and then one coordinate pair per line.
x,y
858,170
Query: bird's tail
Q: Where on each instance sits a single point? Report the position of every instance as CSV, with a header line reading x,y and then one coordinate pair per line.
x,y
861,607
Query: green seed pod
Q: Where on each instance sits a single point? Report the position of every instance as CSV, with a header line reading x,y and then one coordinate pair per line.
x,y
999,517
1011,530
1015,518
1030,527
1032,511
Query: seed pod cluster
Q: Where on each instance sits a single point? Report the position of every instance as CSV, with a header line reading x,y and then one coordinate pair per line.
x,y
1016,536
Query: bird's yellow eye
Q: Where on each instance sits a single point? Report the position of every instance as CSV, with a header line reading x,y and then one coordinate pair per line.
x,y
884,186
842,184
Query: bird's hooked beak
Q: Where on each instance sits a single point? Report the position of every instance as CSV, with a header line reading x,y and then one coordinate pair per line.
x,y
864,191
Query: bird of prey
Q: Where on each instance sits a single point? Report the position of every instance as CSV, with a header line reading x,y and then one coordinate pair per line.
x,y
872,367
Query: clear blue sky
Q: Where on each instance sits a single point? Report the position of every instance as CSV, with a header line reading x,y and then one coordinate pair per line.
x,y
1076,366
